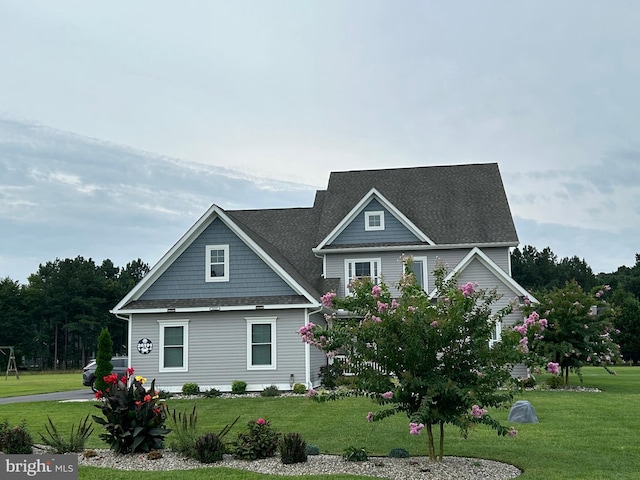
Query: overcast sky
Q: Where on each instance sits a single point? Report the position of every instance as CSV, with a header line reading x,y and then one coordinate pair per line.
x,y
121,122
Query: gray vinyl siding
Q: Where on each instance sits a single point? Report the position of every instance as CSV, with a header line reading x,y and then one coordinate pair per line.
x,y
248,274
476,272
217,350
355,232
392,268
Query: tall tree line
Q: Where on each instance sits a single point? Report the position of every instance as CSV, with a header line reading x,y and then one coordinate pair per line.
x,y
53,321
541,272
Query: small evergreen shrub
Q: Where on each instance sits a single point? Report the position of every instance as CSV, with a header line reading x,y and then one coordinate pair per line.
x,y
293,449
103,360
398,453
355,454
209,448
164,395
212,393
312,450
190,389
329,374
555,382
270,391
299,389
15,440
261,441
239,387
184,435
74,443
529,382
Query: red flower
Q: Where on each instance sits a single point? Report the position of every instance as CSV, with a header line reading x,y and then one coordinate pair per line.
x,y
157,411
261,421
111,379
147,398
99,394
138,403
130,371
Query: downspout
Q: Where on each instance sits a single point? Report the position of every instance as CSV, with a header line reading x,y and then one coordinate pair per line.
x,y
307,349
127,318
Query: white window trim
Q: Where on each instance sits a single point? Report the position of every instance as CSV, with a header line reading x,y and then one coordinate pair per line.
x,y
425,273
370,228
260,321
185,345
207,263
498,330
348,261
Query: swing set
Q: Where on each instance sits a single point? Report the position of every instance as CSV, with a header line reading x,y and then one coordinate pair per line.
x,y
11,364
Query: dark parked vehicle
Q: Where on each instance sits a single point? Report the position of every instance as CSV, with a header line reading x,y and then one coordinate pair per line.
x,y
89,372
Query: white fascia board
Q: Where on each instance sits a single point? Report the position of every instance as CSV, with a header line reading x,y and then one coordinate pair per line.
x,y
373,193
266,258
390,248
248,308
476,253
168,258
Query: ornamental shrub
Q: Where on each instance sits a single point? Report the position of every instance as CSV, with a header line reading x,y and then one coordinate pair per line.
x,y
355,454
190,389
239,387
74,443
15,440
299,389
270,391
312,450
209,448
183,434
260,441
212,393
134,418
398,453
293,449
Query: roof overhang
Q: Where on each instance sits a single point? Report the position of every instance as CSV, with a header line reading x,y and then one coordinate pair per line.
x,y
397,248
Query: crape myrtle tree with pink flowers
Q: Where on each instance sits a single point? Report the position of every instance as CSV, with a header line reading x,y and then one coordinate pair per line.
x,y
569,329
429,358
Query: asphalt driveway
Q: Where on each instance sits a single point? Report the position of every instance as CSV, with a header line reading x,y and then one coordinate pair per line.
x,y
72,395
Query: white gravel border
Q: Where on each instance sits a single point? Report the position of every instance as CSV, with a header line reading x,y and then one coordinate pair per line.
x,y
419,468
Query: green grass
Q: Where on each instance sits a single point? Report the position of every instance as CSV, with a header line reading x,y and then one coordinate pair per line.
x,y
580,435
34,383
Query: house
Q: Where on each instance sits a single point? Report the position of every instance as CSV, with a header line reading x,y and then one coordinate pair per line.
x,y
226,301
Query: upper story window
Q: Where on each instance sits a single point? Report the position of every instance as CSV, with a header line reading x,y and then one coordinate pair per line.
x,y
360,268
217,263
374,221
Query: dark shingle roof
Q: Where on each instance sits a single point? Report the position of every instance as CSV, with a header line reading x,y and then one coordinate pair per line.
x,y
450,204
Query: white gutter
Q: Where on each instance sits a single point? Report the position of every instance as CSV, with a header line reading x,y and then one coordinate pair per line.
x,y
307,349
391,248
214,309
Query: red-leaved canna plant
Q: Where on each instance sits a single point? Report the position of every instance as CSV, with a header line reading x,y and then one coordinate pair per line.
x,y
134,416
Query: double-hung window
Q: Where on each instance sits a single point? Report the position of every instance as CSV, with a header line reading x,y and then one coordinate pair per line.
x,y
261,343
419,269
217,263
374,220
174,345
360,268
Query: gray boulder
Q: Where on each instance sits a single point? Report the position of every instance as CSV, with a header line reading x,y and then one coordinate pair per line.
x,y
522,412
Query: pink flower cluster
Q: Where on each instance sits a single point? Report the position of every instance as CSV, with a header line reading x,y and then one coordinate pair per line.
x,y
327,299
415,428
370,417
477,412
261,421
553,367
468,289
387,395
306,332
376,291
382,307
